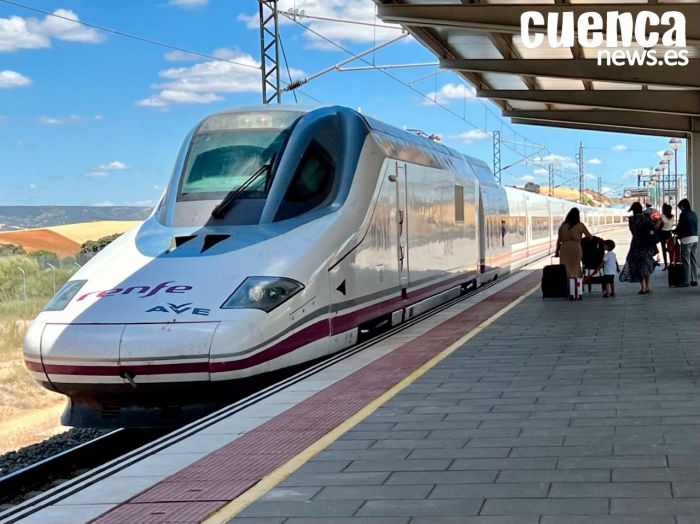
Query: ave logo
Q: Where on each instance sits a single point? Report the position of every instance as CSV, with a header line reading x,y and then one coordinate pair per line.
x,y
179,309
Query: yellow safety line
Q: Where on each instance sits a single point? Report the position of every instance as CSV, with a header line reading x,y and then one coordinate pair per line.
x,y
271,480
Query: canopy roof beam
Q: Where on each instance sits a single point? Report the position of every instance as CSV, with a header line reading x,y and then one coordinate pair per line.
x,y
622,119
581,69
596,127
661,101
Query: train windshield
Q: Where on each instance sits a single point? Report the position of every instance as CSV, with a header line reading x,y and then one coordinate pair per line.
x,y
227,149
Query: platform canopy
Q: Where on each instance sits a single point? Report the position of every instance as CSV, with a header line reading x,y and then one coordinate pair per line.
x,y
480,40
565,86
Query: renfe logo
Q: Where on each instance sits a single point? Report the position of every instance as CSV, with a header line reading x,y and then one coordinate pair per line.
x,y
139,291
645,31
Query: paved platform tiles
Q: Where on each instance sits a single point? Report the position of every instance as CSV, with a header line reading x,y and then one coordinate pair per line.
x,y
558,413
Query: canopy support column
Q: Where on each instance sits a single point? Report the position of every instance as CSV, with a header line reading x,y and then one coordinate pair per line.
x,y
693,163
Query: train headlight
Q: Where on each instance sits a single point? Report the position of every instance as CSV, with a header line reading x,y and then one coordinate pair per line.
x,y
265,293
61,299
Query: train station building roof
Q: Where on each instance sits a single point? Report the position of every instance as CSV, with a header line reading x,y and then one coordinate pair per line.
x,y
564,86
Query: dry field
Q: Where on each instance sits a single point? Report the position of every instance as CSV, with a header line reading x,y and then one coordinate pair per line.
x,y
36,239
85,231
28,413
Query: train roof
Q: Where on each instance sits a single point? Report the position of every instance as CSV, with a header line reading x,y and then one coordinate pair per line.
x,y
437,150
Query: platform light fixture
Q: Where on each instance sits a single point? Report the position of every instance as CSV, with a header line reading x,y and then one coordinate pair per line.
x,y
666,184
675,144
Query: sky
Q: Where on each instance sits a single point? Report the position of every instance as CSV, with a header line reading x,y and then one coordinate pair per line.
x,y
89,117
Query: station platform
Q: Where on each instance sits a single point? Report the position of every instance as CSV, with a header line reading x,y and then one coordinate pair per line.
x,y
504,408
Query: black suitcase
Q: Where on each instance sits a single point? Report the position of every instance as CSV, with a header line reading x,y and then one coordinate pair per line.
x,y
592,252
555,284
676,274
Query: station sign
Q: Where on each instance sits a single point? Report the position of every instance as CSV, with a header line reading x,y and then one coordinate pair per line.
x,y
635,192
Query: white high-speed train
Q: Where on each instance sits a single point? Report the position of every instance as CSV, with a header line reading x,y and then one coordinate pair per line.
x,y
282,233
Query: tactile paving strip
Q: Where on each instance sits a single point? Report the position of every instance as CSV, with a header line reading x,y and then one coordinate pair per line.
x,y
210,483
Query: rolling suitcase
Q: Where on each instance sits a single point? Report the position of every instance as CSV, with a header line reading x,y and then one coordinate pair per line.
x,y
675,271
676,274
674,250
554,281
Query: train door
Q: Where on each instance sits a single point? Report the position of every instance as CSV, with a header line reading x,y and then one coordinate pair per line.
x,y
482,235
402,225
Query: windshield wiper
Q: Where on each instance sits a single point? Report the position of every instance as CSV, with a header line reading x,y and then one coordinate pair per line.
x,y
220,210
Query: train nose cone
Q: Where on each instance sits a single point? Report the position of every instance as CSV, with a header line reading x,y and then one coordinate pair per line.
x,y
76,356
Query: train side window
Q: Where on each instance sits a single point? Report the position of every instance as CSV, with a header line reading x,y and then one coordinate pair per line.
x,y
459,204
311,184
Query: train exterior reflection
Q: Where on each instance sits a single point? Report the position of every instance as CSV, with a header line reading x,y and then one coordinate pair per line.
x,y
282,235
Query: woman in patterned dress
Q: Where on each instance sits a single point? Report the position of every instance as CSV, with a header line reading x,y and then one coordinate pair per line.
x,y
640,258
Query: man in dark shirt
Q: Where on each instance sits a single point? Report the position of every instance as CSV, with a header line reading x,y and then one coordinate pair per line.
x,y
687,232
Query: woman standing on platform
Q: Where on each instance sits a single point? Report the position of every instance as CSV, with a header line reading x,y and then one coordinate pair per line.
x,y
665,231
640,258
569,250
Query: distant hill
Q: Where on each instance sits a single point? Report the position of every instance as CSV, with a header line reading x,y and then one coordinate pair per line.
x,y
64,240
592,197
33,217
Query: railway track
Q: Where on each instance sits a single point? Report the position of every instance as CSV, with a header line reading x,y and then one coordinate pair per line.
x,y
122,448
64,464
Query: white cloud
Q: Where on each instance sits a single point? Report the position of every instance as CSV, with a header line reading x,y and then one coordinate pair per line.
x,y
205,82
31,33
632,173
181,56
104,203
222,53
113,166
471,136
188,3
10,79
619,148
540,171
22,143
450,92
70,119
105,170
143,203
594,161
606,189
357,10
50,121
169,96
526,178
559,160
590,176
32,186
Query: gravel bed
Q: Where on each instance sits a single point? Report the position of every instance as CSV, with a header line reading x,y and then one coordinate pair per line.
x,y
29,455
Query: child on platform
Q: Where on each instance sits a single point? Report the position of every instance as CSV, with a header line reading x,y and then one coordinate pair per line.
x,y
610,268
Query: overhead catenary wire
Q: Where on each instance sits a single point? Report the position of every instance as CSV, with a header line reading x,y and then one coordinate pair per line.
x,y
286,65
336,67
386,73
298,14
